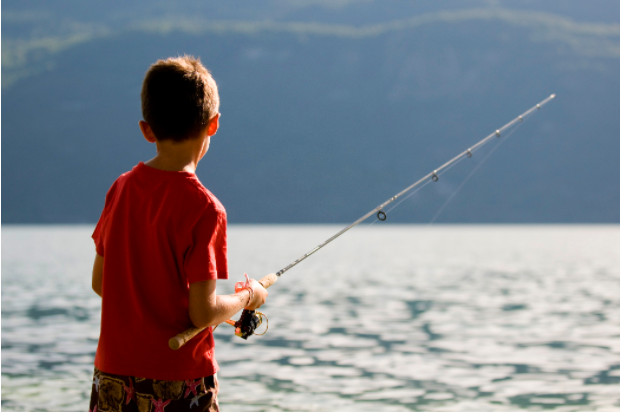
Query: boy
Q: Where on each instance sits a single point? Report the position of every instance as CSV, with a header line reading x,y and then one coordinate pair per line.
x,y
161,246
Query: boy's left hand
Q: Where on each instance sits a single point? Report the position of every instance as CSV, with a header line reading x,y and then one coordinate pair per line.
x,y
259,295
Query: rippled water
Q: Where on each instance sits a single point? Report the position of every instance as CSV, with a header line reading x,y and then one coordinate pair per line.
x,y
387,318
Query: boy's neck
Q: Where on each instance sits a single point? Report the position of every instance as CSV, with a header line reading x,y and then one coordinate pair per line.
x,y
179,156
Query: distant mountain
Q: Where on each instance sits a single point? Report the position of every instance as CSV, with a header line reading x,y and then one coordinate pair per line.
x,y
327,108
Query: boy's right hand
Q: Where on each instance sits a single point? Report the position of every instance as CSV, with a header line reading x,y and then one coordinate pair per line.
x,y
258,297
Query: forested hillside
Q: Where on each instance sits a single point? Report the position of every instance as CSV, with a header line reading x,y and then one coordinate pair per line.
x,y
327,108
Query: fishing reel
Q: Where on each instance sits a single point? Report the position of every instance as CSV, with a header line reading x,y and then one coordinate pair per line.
x,y
247,324
250,320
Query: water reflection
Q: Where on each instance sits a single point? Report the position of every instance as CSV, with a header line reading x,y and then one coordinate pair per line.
x,y
387,318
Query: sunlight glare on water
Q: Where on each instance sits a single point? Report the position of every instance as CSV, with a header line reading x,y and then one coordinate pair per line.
x,y
386,318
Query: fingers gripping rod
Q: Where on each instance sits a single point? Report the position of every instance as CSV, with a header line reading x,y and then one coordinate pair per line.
x,y
180,339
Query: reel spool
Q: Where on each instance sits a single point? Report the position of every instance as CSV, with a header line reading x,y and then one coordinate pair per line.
x,y
247,324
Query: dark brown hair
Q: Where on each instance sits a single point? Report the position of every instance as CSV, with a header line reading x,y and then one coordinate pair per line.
x,y
179,97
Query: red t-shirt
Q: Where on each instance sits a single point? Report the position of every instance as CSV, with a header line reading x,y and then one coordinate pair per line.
x,y
159,231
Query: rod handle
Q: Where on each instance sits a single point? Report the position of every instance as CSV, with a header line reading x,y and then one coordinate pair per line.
x,y
268,280
180,339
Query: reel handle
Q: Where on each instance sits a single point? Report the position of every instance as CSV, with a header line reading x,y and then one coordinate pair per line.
x,y
180,339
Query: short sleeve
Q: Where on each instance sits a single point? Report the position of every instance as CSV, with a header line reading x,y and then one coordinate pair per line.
x,y
98,234
207,257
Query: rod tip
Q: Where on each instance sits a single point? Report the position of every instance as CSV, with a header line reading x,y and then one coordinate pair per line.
x,y
552,96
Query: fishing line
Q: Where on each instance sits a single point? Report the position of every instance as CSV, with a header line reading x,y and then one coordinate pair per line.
x,y
487,156
416,191
443,173
426,183
399,202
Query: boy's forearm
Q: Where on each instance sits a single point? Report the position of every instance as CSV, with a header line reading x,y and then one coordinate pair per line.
x,y
206,308
227,306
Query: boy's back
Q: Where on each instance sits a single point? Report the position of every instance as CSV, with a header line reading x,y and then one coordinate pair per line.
x,y
159,232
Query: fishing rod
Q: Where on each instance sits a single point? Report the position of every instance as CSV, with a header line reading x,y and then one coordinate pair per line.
x,y
251,319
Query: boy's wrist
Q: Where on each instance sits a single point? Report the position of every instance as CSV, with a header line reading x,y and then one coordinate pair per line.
x,y
250,294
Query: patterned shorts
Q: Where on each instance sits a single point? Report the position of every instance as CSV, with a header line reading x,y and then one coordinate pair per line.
x,y
114,393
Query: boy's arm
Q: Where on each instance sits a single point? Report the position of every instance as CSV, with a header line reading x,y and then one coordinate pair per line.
x,y
206,308
97,274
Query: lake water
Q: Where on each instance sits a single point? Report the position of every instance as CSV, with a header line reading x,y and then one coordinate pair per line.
x,y
386,318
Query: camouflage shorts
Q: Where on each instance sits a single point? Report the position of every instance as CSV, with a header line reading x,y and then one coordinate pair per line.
x,y
114,393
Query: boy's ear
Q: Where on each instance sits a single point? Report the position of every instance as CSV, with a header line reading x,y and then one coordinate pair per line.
x,y
147,131
213,125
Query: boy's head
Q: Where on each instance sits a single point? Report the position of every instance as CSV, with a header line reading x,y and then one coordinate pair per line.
x,y
179,97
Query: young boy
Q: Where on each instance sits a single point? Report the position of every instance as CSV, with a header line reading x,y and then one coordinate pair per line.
x,y
161,246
